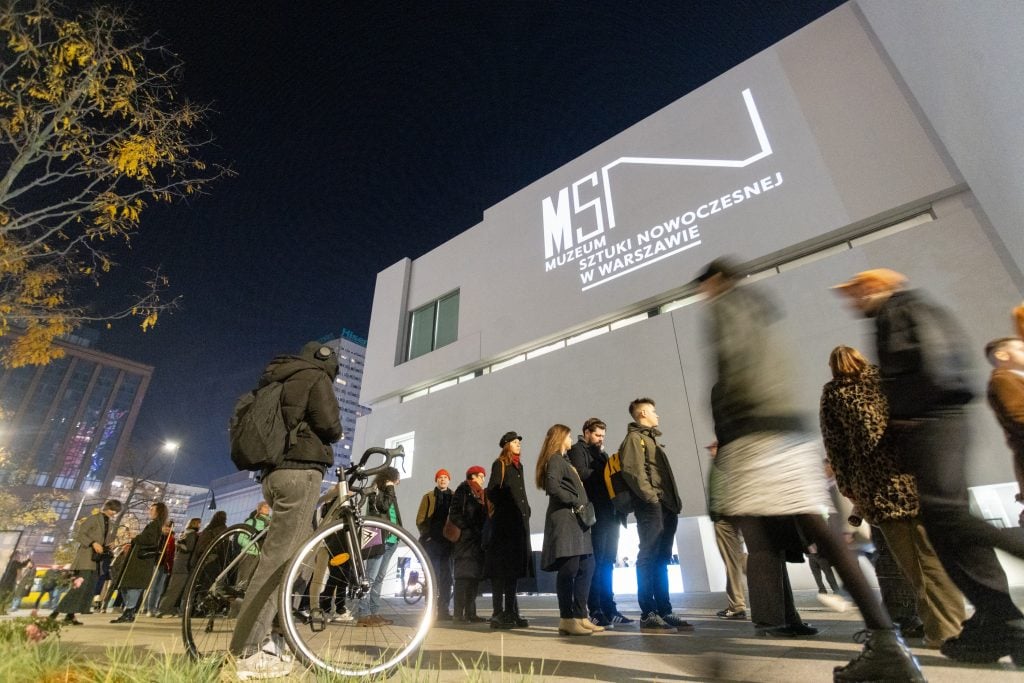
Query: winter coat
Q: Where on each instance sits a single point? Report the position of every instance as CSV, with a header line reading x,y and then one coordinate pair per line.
x,y
469,515
203,540
139,570
589,461
854,416
431,516
564,536
753,383
509,554
922,357
646,469
307,400
183,551
96,528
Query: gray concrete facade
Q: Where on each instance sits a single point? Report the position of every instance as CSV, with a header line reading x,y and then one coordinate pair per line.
x,y
798,160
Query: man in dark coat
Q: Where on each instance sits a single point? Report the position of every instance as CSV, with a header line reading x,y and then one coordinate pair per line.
x,y
589,458
922,359
292,489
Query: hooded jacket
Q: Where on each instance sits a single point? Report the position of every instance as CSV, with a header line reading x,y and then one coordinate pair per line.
x,y
307,400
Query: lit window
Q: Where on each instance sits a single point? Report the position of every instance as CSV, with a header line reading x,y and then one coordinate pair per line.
x,y
433,326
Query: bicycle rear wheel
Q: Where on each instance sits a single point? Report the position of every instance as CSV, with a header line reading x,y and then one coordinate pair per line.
x,y
215,589
367,645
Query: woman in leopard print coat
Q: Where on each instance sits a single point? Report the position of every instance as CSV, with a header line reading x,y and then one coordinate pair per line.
x,y
866,461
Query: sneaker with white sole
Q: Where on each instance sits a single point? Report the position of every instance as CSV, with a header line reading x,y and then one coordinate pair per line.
x,y
344,617
262,666
652,623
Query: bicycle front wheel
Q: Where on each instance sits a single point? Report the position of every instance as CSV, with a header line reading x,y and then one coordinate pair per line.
x,y
386,630
215,589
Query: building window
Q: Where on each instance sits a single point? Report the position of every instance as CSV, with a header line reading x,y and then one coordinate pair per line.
x,y
408,442
433,326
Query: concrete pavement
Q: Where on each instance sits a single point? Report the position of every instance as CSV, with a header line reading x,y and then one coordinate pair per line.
x,y
717,650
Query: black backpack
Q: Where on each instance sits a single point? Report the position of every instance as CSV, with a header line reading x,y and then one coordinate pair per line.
x,y
259,438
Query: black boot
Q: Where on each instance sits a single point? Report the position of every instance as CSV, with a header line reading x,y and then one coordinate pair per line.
x,y
127,617
885,657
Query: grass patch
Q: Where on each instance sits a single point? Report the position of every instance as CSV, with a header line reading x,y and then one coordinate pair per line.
x,y
52,661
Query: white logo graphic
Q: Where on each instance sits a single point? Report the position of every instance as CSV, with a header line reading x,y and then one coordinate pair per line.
x,y
588,245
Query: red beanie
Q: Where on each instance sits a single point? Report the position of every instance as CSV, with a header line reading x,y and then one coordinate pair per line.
x,y
475,469
440,472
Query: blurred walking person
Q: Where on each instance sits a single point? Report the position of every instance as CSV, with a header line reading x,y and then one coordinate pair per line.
x,y
768,472
567,548
923,369
854,418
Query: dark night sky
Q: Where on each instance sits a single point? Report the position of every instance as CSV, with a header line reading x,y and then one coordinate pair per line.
x,y
363,133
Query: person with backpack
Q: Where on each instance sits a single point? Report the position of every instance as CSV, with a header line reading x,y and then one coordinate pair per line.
x,y
310,421
656,505
588,456
430,519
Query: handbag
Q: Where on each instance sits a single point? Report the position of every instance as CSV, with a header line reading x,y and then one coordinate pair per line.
x,y
147,553
101,557
585,515
451,531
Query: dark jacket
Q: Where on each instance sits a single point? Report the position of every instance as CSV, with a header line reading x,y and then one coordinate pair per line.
x,y
307,400
381,503
431,515
922,356
646,469
752,391
854,416
183,551
468,514
139,570
589,462
510,554
203,540
563,534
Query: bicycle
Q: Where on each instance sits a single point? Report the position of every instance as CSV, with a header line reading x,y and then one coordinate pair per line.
x,y
412,590
345,540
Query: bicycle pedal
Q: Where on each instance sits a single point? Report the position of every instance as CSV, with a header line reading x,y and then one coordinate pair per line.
x,y
339,559
317,621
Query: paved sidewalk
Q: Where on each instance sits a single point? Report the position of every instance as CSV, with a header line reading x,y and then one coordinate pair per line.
x,y
717,650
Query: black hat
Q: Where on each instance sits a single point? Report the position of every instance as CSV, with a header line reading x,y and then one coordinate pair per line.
x,y
723,266
508,436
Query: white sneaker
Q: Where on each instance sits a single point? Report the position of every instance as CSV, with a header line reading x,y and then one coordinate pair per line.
x,y
277,646
260,666
345,617
836,603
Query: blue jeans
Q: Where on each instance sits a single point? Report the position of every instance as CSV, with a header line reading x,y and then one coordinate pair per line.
x,y
376,571
157,591
132,596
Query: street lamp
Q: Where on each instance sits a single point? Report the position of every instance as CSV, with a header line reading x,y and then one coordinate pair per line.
x,y
172,448
85,494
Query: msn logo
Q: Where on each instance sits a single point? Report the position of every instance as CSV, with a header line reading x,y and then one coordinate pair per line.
x,y
588,201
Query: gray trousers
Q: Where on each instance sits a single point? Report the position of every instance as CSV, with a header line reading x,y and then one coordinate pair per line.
x,y
292,495
730,546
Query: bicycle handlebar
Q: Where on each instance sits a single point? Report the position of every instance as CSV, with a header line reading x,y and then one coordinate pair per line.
x,y
359,471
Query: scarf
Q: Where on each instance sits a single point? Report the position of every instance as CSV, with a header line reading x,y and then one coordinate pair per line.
x,y
477,490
